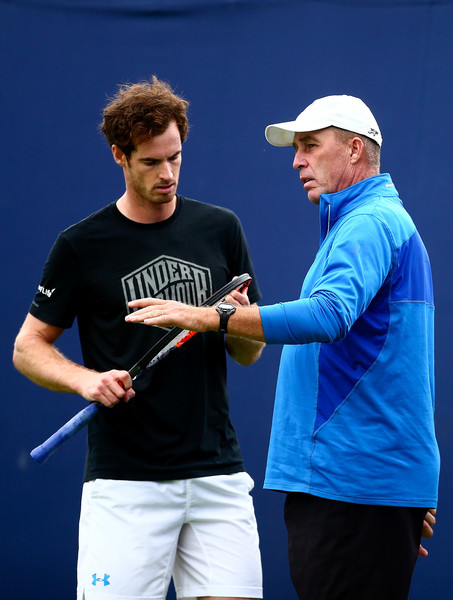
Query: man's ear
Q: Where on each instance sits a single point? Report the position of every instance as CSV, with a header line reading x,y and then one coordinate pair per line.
x,y
356,147
119,156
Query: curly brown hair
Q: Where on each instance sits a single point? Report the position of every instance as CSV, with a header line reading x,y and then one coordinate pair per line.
x,y
141,110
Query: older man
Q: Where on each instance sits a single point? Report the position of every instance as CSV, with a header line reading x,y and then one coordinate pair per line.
x,y
353,441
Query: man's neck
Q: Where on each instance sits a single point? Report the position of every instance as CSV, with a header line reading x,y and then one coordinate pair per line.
x,y
143,211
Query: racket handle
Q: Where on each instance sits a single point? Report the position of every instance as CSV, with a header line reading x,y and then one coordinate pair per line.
x,y
41,453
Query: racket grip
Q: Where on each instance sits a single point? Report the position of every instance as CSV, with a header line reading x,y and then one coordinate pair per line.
x,y
41,453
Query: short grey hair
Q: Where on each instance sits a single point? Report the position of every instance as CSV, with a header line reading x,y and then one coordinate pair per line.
x,y
372,148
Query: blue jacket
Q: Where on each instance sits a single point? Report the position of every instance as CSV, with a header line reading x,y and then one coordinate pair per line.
x,y
354,408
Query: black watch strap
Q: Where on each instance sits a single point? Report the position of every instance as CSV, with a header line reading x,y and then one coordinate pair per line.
x,y
225,311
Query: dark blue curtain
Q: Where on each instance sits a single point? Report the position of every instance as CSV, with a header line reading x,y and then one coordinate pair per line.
x,y
242,65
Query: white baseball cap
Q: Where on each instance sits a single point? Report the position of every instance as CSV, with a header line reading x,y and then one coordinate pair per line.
x,y
345,112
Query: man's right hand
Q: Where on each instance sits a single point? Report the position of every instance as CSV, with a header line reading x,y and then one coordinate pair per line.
x,y
109,388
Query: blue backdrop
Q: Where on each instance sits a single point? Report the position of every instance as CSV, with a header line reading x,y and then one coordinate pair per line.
x,y
242,65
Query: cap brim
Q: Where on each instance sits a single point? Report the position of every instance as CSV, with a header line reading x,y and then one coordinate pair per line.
x,y
281,134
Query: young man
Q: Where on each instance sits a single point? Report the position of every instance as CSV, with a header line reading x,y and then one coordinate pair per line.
x,y
165,492
353,441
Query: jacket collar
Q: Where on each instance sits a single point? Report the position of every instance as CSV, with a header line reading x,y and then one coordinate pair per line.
x,y
333,206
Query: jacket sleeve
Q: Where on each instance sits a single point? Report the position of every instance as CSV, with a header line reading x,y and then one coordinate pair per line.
x,y
360,257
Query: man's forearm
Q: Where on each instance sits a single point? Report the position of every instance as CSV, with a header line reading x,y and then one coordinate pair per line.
x,y
38,359
242,350
245,322
46,366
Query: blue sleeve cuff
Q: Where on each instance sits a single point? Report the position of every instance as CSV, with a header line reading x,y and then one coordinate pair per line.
x,y
320,318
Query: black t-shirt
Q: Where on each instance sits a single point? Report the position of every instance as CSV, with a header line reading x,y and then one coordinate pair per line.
x,y
178,424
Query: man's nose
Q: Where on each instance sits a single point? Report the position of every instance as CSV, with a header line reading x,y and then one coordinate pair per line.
x,y
299,160
166,171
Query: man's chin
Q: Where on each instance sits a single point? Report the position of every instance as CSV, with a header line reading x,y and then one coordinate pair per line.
x,y
313,197
162,198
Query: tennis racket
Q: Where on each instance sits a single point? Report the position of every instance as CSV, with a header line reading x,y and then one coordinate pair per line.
x,y
174,338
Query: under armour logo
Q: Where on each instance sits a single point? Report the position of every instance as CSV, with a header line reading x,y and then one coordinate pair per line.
x,y
97,579
373,132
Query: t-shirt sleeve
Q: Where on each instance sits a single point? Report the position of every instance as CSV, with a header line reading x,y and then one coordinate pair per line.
x,y
57,297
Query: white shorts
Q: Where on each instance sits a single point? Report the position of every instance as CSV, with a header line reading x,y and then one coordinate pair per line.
x,y
135,535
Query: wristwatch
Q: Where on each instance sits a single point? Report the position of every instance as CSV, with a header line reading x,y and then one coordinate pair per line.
x,y
225,310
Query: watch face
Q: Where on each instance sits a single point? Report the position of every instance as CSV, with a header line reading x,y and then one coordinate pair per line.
x,y
226,307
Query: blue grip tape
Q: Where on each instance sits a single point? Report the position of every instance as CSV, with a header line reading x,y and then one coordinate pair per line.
x,y
41,453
